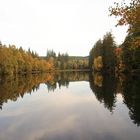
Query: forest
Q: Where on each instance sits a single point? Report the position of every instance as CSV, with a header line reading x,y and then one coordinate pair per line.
x,y
105,56
124,58
65,62
15,60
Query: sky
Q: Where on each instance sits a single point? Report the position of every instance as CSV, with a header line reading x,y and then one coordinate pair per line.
x,y
71,26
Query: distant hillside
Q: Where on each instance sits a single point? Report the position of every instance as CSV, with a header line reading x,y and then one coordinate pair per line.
x,y
72,57
79,57
65,62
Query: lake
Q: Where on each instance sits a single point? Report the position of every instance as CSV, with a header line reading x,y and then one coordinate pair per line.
x,y
70,106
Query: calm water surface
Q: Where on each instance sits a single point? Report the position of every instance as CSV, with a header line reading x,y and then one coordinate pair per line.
x,y
69,106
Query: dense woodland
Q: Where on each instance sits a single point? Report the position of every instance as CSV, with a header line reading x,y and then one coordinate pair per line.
x,y
14,60
129,59
102,55
105,56
18,61
65,62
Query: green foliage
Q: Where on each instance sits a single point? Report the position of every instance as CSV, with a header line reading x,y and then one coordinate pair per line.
x,y
91,58
109,46
65,62
50,53
102,55
130,55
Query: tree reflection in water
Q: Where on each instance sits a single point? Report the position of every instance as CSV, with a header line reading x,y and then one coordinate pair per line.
x,y
11,88
104,86
131,96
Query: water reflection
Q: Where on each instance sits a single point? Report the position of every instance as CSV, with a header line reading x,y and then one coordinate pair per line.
x,y
105,88
11,88
131,96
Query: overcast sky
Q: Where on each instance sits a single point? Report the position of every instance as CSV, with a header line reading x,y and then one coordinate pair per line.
x,y
71,26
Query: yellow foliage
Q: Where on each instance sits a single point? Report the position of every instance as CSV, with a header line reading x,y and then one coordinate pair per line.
x,y
98,63
98,79
128,14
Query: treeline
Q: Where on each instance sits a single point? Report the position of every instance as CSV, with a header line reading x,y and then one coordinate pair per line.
x,y
65,62
125,58
16,60
129,59
102,55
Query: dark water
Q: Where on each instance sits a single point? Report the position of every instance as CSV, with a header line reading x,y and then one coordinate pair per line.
x,y
70,106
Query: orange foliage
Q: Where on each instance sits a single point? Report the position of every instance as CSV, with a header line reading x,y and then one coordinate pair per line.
x,y
117,51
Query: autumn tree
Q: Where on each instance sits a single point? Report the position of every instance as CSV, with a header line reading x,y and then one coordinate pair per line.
x,y
102,55
128,14
14,61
